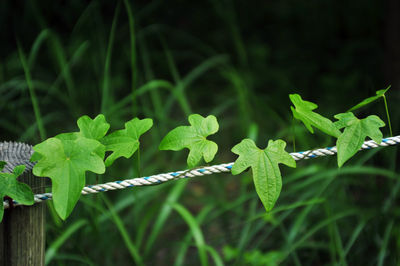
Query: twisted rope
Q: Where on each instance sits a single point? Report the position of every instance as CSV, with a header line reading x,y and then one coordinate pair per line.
x,y
207,170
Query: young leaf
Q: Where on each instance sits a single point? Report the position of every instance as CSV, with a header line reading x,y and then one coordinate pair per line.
x,y
93,128
304,111
65,159
124,142
379,94
265,166
354,134
193,137
9,186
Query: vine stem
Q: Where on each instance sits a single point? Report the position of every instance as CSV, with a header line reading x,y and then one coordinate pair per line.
x,y
387,115
137,163
294,134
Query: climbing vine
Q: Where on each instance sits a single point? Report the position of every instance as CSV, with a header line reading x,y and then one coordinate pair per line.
x,y
67,157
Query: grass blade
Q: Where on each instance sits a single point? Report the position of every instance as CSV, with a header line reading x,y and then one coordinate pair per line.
x,y
54,246
319,226
132,37
165,211
32,93
43,35
187,240
195,229
215,256
124,233
354,236
105,97
384,244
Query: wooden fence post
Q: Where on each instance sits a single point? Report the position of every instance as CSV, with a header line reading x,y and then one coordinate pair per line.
x,y
22,231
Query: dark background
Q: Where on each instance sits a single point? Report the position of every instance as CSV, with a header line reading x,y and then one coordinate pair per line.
x,y
238,60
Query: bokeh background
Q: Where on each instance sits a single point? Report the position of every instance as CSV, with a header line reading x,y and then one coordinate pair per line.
x,y
237,60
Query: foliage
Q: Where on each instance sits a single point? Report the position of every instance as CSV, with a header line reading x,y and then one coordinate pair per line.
x,y
93,128
354,134
264,164
303,111
124,142
166,60
65,160
379,94
355,130
255,257
9,186
66,157
193,137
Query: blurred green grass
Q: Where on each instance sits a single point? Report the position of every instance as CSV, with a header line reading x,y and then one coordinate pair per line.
x,y
143,59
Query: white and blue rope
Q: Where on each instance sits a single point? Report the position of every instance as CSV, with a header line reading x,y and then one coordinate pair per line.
x,y
207,170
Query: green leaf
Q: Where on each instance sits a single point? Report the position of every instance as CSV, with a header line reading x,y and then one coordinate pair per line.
x,y
304,111
2,164
124,142
93,128
354,134
379,94
65,159
193,137
9,186
265,166
35,157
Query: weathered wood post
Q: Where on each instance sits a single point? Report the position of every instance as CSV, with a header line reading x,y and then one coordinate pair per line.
x,y
22,231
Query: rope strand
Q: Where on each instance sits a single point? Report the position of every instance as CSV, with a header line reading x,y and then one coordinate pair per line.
x,y
207,170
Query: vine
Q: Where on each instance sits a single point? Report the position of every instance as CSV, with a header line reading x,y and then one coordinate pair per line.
x,y
9,186
67,157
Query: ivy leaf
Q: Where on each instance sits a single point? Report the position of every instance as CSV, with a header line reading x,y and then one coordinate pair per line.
x,y
304,111
93,128
379,94
265,166
9,186
354,134
65,159
124,142
193,137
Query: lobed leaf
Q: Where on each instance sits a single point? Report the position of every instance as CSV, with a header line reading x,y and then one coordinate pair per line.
x,y
124,142
9,186
93,128
303,111
379,94
265,167
66,157
65,160
354,134
193,137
